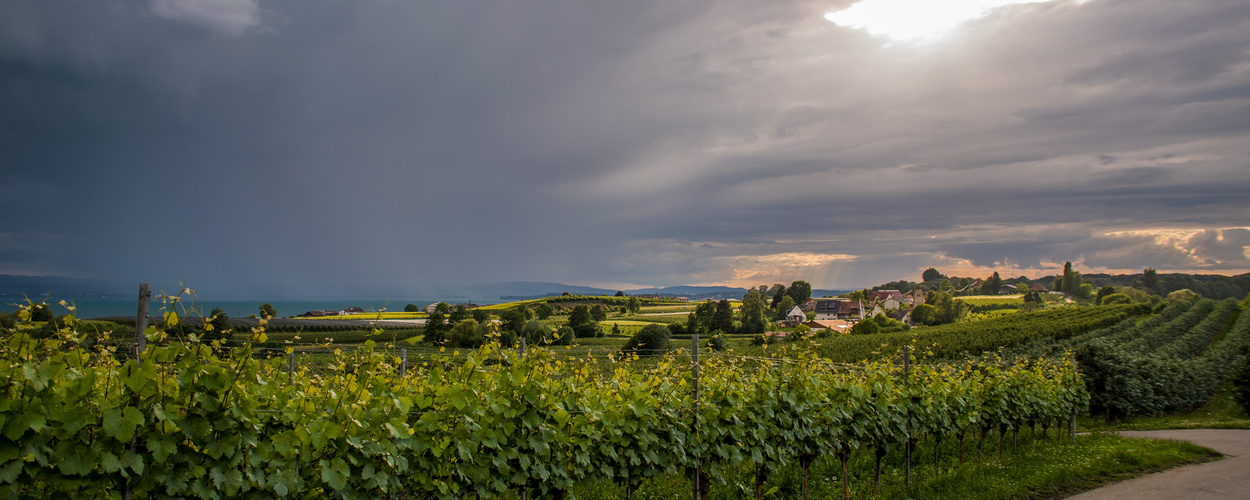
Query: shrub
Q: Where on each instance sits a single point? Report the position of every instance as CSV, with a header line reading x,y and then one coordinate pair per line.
x,y
465,334
1116,298
40,312
412,308
564,336
652,340
536,332
1241,380
865,327
717,343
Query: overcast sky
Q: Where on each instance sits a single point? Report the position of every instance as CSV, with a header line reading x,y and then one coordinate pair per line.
x,y
317,146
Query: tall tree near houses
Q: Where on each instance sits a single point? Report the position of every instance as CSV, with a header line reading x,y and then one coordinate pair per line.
x,y
992,284
1071,279
779,291
930,275
753,308
800,291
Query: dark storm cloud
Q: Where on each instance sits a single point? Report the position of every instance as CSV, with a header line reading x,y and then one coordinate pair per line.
x,y
315,146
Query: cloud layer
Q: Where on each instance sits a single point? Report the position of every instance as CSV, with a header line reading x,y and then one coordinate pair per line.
x,y
317,146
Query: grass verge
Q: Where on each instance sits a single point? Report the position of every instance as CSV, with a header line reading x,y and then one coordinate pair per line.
x,y
1222,412
1047,470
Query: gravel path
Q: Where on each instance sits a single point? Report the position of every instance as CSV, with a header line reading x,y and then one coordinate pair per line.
x,y
1228,478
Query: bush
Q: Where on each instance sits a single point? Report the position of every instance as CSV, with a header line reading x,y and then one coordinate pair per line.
x,y
411,308
865,327
1116,298
1241,380
465,334
7,321
652,340
221,326
563,337
536,332
40,312
717,343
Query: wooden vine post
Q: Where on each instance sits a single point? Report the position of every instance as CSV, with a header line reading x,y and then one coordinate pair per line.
x,y
694,427
141,320
907,443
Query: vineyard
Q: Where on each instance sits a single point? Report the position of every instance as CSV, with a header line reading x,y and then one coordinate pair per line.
x,y
1173,361
954,340
189,420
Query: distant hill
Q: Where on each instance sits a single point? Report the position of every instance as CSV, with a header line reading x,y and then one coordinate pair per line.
x,y
540,290
59,287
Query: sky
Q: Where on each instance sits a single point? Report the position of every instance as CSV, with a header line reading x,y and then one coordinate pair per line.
x,y
321,146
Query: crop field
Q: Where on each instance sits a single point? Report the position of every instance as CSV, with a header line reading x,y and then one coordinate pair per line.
x,y
446,428
439,422
366,316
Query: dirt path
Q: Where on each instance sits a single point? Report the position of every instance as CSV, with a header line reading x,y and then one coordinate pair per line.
x,y
1227,478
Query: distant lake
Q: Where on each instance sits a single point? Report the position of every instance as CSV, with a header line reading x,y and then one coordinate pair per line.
x,y
241,308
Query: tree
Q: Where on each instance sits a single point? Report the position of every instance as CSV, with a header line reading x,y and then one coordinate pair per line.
x,y
1085,291
579,316
435,325
412,308
465,334
41,312
1150,281
563,336
481,316
946,285
723,318
458,313
784,307
1070,281
634,304
930,275
620,293
582,324
800,291
536,332
925,314
218,327
652,340
544,310
992,284
753,308
700,321
267,311
779,291
513,319
598,313
1103,293
865,327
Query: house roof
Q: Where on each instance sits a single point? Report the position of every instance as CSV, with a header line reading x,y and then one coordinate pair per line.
x,y
1038,287
796,311
884,294
837,306
836,325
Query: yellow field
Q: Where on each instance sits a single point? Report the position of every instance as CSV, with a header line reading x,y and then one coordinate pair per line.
x,y
369,316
